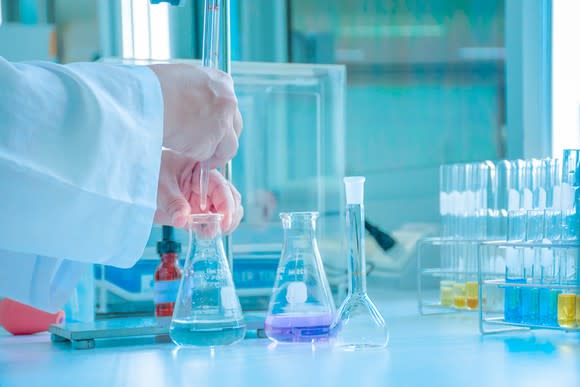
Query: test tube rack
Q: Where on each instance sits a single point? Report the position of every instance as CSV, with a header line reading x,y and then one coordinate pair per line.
x,y
547,296
447,276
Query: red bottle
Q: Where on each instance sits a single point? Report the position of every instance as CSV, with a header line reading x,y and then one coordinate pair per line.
x,y
167,274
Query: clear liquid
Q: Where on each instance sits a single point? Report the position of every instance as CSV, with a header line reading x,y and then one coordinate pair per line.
x,y
206,334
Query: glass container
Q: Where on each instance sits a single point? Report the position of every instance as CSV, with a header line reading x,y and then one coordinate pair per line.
x,y
207,312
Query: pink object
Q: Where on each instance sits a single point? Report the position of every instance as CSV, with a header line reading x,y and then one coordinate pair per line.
x,y
21,319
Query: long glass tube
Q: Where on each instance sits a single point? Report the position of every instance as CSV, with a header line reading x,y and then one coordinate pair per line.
x,y
210,58
356,247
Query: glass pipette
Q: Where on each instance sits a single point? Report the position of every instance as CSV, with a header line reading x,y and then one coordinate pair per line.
x,y
210,58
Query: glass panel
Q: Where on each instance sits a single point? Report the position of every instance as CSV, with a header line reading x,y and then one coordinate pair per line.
x,y
426,86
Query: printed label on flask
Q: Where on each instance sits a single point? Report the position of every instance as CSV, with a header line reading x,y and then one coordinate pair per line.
x,y
165,291
228,297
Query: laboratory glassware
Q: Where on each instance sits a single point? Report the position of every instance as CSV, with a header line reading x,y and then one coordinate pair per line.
x,y
530,295
570,194
207,312
568,266
514,269
301,307
167,274
210,58
359,324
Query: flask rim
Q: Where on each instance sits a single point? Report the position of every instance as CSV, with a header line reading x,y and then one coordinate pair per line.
x,y
306,215
205,218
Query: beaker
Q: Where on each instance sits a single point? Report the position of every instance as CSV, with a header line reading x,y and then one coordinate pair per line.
x,y
359,324
301,306
207,311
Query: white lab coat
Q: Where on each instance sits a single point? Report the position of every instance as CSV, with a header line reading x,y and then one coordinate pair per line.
x,y
80,151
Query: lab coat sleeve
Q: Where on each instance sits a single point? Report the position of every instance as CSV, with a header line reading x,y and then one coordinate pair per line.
x,y
80,151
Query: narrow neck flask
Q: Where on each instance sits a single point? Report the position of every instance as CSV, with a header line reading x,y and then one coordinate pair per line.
x,y
207,312
356,250
301,307
359,324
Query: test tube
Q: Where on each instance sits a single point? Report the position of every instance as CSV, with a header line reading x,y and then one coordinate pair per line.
x,y
532,266
507,197
514,270
454,200
548,303
444,198
446,292
490,197
570,193
553,180
459,297
567,299
446,206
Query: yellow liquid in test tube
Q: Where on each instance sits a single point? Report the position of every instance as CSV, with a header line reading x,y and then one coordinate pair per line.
x,y
459,299
471,291
446,292
567,310
578,310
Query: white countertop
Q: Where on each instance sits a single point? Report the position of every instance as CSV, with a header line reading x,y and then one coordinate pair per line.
x,y
423,351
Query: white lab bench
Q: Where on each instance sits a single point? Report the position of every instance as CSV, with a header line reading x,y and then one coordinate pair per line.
x,y
423,351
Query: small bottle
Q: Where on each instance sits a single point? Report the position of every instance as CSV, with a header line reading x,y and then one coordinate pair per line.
x,y
167,274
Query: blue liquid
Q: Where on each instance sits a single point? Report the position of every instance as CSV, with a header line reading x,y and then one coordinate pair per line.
x,y
513,301
204,334
549,307
531,305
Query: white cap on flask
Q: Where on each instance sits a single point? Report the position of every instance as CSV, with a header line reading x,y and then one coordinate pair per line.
x,y
355,189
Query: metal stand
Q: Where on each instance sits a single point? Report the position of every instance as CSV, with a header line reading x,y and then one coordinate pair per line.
x,y
493,321
430,267
84,335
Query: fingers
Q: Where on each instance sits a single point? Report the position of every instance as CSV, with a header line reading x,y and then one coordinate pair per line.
x,y
172,206
222,198
238,212
238,122
177,211
225,151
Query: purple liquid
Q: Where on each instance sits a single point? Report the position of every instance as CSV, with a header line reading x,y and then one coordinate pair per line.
x,y
297,328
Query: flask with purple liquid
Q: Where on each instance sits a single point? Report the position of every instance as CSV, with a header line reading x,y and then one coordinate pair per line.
x,y
301,306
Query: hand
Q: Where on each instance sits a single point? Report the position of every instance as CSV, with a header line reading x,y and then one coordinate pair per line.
x,y
178,193
201,116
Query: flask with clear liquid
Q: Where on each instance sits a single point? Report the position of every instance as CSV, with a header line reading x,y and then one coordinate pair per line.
x,y
207,311
359,325
301,306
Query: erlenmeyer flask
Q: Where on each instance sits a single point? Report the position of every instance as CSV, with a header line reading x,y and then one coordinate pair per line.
x,y
207,311
359,324
301,307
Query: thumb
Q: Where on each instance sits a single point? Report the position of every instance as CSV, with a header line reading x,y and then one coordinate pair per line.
x,y
178,210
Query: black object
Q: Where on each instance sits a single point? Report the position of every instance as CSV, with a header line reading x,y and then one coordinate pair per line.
x,y
168,244
383,239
